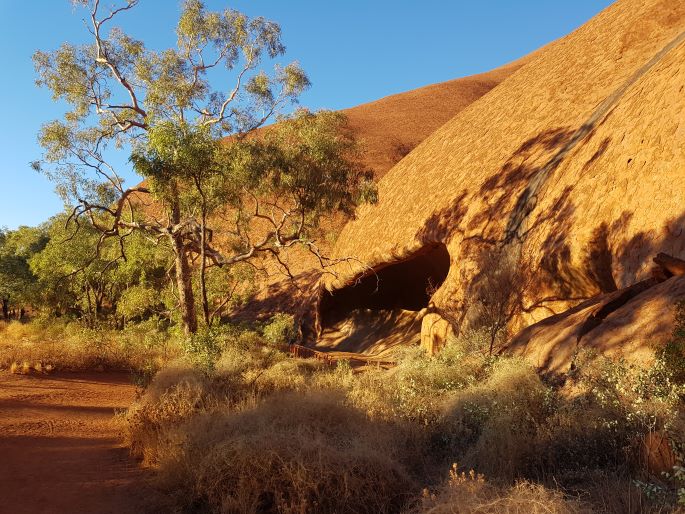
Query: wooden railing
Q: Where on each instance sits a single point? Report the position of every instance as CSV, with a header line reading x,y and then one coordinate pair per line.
x,y
305,352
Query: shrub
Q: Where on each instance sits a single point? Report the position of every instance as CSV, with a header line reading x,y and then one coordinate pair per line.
x,y
280,330
291,453
466,493
265,431
138,300
284,375
175,394
71,346
204,348
493,426
416,388
673,352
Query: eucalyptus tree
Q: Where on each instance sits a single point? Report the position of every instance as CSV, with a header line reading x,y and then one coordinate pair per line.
x,y
69,278
17,282
190,141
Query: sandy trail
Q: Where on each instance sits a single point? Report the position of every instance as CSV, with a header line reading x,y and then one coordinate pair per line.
x,y
59,447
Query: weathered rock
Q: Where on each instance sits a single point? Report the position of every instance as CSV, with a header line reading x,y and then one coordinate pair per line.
x,y
671,265
435,330
630,331
569,165
388,129
657,455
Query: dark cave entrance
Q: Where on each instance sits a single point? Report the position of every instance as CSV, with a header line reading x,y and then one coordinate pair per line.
x,y
383,304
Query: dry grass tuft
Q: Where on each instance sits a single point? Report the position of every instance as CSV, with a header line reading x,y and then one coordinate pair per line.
x,y
291,453
172,397
495,424
72,347
470,493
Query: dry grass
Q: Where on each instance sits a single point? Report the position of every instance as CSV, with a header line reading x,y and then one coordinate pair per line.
x,y
470,493
291,453
494,424
42,347
264,432
176,393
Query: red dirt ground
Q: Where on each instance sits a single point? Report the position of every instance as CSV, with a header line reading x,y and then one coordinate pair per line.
x,y
60,451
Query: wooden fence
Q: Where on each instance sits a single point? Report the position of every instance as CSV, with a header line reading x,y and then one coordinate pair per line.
x,y
304,352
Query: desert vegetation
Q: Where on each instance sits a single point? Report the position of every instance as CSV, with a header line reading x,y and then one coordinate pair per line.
x,y
231,422
259,431
228,417
221,204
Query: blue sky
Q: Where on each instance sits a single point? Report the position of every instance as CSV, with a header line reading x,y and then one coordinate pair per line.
x,y
354,51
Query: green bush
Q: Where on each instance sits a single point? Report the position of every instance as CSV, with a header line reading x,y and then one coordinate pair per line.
x,y
204,348
673,353
137,300
280,330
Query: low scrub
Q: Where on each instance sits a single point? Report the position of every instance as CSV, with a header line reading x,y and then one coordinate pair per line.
x,y
258,431
63,345
470,493
291,453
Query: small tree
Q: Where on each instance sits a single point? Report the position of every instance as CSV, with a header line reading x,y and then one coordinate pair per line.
x,y
162,109
495,293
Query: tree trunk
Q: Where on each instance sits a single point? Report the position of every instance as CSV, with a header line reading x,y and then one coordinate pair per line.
x,y
5,308
203,251
98,304
184,278
90,308
203,270
185,288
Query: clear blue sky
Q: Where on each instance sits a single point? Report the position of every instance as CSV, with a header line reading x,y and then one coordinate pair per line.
x,y
354,51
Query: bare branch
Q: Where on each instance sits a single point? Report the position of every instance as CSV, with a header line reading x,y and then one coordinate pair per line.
x,y
102,58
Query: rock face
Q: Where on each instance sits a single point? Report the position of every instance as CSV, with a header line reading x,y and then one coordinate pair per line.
x,y
631,331
572,167
393,126
387,129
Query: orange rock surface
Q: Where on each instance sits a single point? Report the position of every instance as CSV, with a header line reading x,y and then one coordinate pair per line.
x,y
573,165
387,130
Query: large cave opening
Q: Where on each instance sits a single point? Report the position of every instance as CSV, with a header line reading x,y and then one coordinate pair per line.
x,y
381,309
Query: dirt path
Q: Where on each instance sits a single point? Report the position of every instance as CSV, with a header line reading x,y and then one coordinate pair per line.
x,y
59,447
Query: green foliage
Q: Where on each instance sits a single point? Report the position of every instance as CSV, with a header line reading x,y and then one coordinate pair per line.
x,y
17,282
204,348
137,300
77,273
673,353
313,161
280,330
634,399
229,195
174,156
161,91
